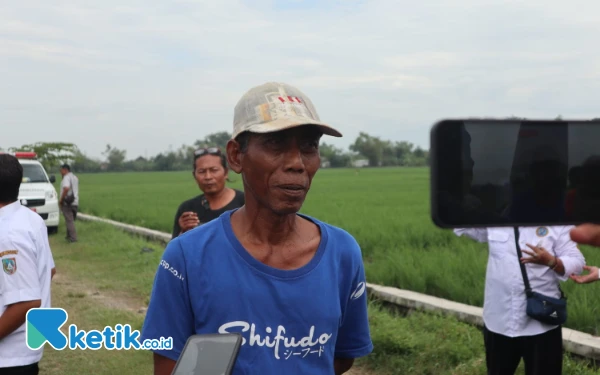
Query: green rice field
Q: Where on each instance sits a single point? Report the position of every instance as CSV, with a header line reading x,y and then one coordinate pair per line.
x,y
386,209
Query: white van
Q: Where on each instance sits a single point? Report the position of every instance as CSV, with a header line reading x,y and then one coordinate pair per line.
x,y
37,190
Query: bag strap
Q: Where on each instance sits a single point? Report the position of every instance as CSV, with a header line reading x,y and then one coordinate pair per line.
x,y
528,290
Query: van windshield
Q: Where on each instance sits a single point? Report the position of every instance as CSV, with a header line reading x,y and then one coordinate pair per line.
x,y
33,173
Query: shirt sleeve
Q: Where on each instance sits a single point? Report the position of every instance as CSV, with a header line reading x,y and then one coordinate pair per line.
x,y
66,182
20,272
354,336
170,313
477,234
44,244
570,255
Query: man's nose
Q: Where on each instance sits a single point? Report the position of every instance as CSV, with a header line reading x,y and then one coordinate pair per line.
x,y
293,158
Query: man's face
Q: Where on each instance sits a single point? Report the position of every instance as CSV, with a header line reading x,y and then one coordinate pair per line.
x,y
278,168
210,174
63,172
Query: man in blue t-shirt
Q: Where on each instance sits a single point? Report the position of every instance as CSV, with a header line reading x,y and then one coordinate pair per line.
x,y
293,286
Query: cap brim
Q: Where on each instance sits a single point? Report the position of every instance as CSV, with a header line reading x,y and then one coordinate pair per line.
x,y
289,123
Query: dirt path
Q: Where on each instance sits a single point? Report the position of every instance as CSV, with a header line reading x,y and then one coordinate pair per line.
x,y
109,299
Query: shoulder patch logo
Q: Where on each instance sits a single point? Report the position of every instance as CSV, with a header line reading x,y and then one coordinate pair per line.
x,y
9,265
541,232
359,291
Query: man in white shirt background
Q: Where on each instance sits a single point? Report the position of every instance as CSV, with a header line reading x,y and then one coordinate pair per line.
x,y
550,257
27,271
69,200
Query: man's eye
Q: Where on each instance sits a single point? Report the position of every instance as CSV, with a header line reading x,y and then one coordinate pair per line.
x,y
274,142
311,145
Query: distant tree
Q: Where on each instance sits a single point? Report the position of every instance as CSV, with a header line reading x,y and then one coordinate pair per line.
x,y
82,163
336,157
50,154
218,139
114,158
370,147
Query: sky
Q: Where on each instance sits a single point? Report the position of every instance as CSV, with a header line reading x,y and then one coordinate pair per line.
x,y
147,75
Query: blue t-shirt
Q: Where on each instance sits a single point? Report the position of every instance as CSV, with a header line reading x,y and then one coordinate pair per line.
x,y
293,321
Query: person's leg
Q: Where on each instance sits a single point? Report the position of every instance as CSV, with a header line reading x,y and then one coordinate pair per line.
x,y
68,214
543,354
75,210
502,355
32,369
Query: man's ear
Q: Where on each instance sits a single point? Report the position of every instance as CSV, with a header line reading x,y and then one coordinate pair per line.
x,y
234,156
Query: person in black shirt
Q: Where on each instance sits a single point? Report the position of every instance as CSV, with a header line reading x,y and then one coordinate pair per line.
x,y
210,172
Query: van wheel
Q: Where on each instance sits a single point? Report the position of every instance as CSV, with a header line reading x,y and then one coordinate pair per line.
x,y
52,230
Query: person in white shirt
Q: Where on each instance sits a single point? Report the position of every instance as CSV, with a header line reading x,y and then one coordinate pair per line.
x,y
27,271
510,334
69,200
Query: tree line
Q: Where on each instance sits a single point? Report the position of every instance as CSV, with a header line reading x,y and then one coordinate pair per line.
x,y
367,150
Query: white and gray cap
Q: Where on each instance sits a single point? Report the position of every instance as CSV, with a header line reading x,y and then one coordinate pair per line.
x,y
273,107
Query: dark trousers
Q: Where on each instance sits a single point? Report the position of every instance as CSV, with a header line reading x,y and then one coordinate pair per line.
x,y
70,213
32,369
542,354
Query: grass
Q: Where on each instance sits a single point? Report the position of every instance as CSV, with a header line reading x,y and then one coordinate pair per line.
x,y
106,277
386,209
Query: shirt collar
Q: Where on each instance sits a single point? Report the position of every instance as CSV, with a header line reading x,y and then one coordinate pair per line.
x,y
9,209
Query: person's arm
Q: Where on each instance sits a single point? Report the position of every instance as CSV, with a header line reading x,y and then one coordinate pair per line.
x,y
45,246
64,189
568,260
354,336
169,312
592,276
176,227
22,288
14,316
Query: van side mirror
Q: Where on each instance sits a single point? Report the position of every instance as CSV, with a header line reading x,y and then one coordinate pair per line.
x,y
52,178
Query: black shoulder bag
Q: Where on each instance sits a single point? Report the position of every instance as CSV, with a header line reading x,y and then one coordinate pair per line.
x,y
545,309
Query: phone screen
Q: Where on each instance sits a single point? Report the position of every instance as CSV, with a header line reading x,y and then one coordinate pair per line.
x,y
208,355
488,173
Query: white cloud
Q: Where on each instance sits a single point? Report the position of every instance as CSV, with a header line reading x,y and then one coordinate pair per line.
x,y
143,74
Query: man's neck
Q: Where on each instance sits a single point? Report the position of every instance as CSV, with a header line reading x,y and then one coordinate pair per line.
x,y
264,226
216,197
4,204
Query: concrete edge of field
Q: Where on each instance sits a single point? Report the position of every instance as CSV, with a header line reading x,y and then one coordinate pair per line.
x,y
576,342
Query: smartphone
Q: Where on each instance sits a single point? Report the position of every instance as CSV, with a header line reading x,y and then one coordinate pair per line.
x,y
209,354
513,172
